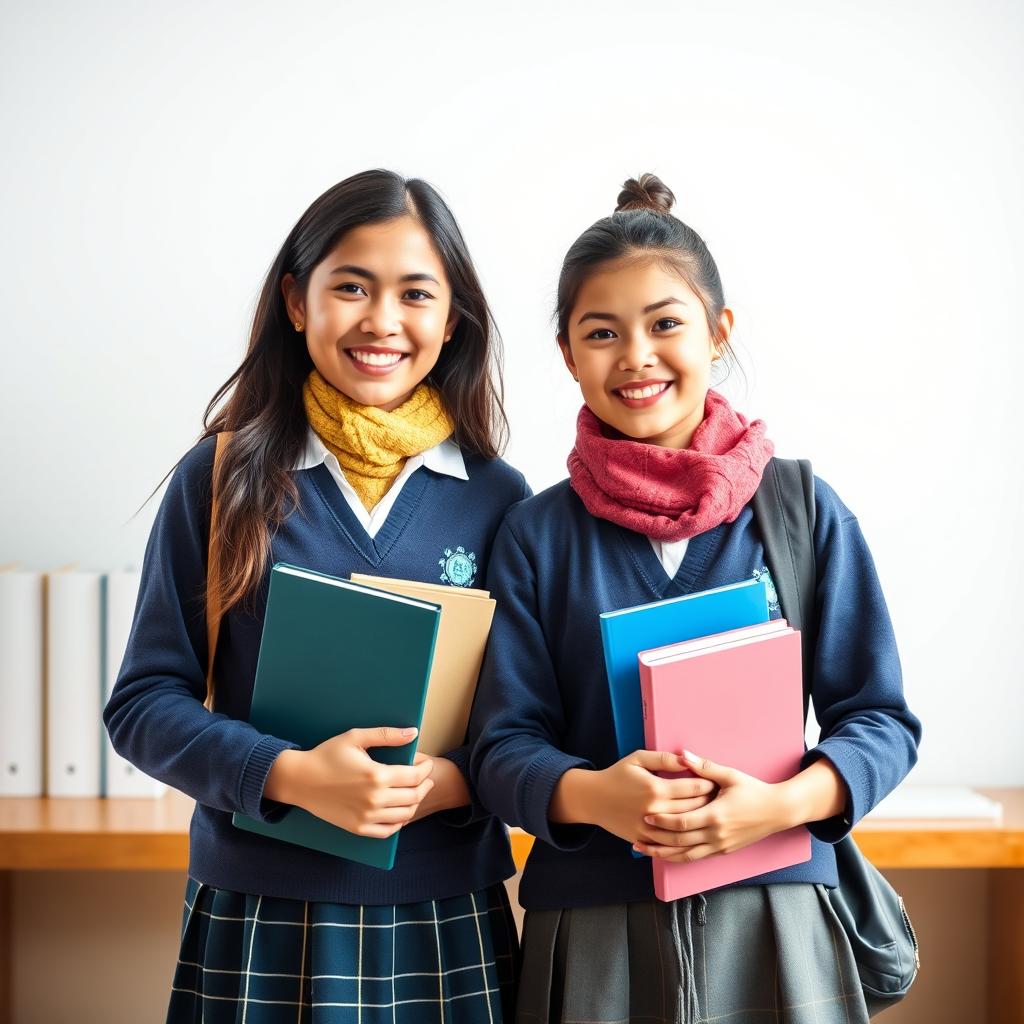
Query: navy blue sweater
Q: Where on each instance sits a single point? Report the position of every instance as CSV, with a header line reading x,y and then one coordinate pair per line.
x,y
543,707
156,717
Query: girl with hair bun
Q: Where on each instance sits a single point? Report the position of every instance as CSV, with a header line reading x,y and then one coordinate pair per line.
x,y
657,505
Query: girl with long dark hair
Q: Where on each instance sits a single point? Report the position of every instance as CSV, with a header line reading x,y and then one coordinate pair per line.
x,y
362,435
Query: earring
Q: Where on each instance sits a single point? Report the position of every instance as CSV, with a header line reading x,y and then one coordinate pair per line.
x,y
298,325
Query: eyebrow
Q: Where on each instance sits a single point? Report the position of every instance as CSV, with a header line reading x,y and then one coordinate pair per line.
x,y
647,309
349,268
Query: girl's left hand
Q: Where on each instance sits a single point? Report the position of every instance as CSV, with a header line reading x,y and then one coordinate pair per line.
x,y
449,789
744,811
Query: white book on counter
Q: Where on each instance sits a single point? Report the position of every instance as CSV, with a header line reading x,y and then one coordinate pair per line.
x,y
937,803
74,654
121,777
21,683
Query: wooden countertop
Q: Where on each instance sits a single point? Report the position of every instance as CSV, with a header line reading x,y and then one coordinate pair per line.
x,y
152,835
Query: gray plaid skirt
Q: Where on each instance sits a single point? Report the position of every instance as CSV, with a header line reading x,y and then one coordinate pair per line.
x,y
740,955
262,960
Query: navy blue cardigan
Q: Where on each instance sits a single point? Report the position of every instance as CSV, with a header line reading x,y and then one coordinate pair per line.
x,y
542,706
156,717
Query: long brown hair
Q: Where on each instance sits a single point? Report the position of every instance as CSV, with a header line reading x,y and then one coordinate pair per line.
x,y
264,410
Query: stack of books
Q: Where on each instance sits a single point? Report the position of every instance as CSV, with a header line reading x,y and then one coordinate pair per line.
x,y
710,673
340,654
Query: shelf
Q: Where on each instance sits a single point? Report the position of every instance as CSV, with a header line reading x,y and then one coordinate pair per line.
x,y
152,835
71,833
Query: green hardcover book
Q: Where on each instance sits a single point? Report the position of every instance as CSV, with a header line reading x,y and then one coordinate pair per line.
x,y
337,655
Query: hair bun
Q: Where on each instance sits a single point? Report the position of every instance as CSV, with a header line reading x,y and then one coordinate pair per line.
x,y
649,193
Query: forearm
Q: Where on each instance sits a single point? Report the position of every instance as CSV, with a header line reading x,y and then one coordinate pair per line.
x,y
450,787
284,781
449,791
573,799
815,794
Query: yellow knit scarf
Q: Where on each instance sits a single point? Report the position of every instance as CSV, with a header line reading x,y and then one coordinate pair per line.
x,y
371,445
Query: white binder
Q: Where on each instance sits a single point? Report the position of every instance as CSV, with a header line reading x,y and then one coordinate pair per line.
x,y
122,778
21,683
74,683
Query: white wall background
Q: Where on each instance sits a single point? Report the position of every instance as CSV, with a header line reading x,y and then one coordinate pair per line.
x,y
855,169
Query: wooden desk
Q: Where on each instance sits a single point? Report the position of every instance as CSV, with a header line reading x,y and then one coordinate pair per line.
x,y
152,835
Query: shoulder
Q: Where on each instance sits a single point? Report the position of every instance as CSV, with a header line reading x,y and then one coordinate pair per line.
x,y
837,532
502,481
190,491
182,521
829,507
550,515
194,472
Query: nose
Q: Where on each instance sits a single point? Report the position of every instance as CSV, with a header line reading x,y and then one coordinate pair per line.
x,y
381,320
637,351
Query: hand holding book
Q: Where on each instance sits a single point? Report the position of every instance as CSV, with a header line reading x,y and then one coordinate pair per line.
x,y
617,798
744,811
338,781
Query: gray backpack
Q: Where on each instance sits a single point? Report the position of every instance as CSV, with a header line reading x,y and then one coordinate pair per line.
x,y
870,910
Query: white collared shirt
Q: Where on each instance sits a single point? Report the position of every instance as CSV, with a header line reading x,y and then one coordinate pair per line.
x,y
443,458
670,554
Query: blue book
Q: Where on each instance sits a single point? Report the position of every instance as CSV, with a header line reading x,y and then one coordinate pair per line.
x,y
337,655
627,632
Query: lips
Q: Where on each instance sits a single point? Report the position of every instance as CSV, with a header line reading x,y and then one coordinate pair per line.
x,y
641,393
375,362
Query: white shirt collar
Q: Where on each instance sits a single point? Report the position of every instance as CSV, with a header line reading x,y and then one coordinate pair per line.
x,y
444,458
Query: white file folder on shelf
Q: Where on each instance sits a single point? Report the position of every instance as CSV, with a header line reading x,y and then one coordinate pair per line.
x,y
121,777
74,649
21,683
937,803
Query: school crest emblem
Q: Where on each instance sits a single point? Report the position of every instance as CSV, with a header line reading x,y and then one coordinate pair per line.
x,y
458,567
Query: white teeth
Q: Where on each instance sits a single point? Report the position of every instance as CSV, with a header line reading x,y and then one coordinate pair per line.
x,y
638,393
376,358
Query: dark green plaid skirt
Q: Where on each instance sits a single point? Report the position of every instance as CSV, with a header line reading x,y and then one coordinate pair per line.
x,y
259,960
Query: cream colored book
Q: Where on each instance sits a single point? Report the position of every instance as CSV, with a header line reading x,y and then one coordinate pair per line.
x,y
458,654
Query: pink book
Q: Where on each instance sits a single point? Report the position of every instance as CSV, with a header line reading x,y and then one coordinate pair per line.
x,y
737,699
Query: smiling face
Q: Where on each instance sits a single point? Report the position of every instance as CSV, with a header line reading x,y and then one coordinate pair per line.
x,y
640,346
376,311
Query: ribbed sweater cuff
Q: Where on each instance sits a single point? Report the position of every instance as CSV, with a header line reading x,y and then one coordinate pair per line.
x,y
538,788
854,771
460,817
254,778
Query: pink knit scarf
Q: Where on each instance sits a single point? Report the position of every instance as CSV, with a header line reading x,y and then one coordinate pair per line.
x,y
669,493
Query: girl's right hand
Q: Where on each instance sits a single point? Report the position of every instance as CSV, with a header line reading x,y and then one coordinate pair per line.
x,y
617,798
339,781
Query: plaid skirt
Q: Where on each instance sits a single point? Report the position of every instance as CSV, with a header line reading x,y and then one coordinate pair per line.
x,y
740,955
259,960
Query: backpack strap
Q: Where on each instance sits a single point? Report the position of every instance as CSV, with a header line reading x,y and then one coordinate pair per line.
x,y
784,511
213,607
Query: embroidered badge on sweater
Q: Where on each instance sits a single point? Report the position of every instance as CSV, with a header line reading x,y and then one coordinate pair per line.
x,y
458,567
773,597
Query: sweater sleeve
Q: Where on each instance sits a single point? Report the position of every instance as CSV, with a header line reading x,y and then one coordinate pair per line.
x,y
867,731
518,716
155,715
475,811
